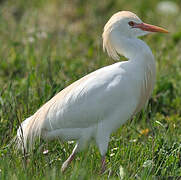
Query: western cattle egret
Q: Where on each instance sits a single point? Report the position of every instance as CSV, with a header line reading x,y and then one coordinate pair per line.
x,y
100,102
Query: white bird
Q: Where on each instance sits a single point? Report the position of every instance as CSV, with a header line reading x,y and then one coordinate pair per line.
x,y
100,102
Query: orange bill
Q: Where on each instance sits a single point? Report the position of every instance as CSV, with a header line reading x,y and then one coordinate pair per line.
x,y
150,28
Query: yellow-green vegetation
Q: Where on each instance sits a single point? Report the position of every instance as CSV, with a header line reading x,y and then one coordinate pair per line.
x,y
45,46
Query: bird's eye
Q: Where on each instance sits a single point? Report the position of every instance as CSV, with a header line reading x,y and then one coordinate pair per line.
x,y
131,23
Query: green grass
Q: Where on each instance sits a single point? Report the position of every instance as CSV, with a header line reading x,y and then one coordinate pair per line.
x,y
47,45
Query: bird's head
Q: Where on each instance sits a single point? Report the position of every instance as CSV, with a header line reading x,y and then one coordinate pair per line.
x,y
125,24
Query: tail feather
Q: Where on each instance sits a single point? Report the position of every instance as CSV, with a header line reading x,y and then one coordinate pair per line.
x,y
27,133
32,127
22,134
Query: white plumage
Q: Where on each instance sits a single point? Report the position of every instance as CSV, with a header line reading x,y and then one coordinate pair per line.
x,y
99,103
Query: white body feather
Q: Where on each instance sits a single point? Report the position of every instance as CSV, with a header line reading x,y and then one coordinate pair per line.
x,y
99,103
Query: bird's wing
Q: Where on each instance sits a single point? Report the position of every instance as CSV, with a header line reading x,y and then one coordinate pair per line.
x,y
83,103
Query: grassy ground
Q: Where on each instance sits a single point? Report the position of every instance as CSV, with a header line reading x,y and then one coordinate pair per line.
x,y
47,45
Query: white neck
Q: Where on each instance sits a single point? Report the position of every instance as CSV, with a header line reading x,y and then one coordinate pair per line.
x,y
131,47
141,56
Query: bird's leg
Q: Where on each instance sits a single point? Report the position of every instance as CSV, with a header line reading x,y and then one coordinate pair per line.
x,y
69,160
102,140
103,164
